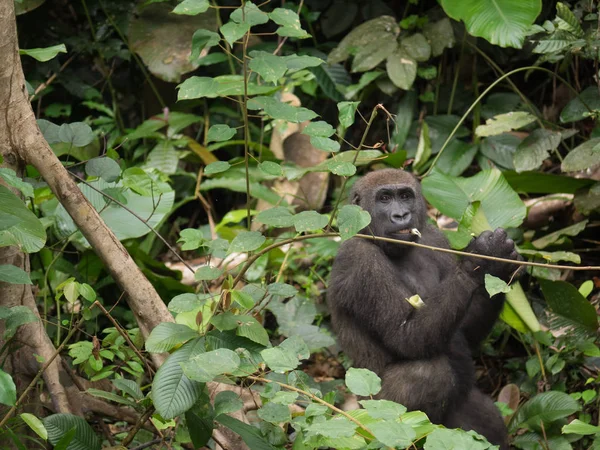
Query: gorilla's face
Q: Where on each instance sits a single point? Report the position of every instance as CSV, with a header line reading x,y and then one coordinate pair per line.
x,y
393,212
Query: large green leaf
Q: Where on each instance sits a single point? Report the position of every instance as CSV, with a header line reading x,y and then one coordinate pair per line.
x,y
251,435
84,437
543,409
172,392
502,22
22,227
565,300
372,41
165,336
582,157
123,224
452,195
164,40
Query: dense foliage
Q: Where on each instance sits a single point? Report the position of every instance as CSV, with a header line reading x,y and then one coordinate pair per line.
x,y
219,140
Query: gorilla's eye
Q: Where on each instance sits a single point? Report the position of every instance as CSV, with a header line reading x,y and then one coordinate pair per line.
x,y
405,196
385,198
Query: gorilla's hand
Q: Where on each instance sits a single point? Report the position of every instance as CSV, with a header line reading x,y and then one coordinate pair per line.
x,y
490,243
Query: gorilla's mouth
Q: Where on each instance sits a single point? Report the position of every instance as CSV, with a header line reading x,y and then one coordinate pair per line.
x,y
408,231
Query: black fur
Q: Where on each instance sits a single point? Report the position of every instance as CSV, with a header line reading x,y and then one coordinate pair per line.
x,y
423,355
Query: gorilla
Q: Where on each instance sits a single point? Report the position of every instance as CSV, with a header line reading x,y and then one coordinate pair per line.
x,y
422,351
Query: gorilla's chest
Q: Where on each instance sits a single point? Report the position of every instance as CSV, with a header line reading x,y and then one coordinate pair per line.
x,y
419,275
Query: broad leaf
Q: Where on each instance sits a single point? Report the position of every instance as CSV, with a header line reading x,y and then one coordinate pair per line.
x,y
502,22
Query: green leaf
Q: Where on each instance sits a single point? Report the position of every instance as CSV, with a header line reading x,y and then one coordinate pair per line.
x,y
351,220
416,47
309,221
203,39
347,111
553,256
402,69
533,150
225,321
567,21
337,427
504,122
84,438
220,133
227,402
279,110
275,413
129,387
243,299
423,148
27,233
35,424
206,366
579,427
106,168
11,179
362,382
565,300
8,390
166,336
271,168
443,439
577,109
246,241
440,36
393,434
250,328
191,239
341,168
44,54
278,217
320,129
582,157
200,427
250,434
325,144
270,67
494,285
206,273
556,237
77,134
217,167
371,42
289,23
544,183
250,14
172,392
287,355
13,274
544,408
282,289
299,62
232,31
452,195
191,7
383,409
501,22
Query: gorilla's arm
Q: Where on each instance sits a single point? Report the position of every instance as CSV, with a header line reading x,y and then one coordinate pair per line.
x,y
484,311
367,287
481,316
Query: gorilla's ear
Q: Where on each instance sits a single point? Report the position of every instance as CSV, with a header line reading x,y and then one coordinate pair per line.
x,y
354,198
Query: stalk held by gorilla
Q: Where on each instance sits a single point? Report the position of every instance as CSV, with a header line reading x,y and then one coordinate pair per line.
x,y
423,355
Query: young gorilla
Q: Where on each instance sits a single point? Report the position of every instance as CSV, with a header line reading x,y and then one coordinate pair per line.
x,y
422,354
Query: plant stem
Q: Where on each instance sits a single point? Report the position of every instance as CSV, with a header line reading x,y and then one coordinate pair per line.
x,y
358,149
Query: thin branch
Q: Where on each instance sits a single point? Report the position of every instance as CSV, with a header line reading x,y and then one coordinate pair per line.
x,y
267,249
138,217
41,372
315,398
